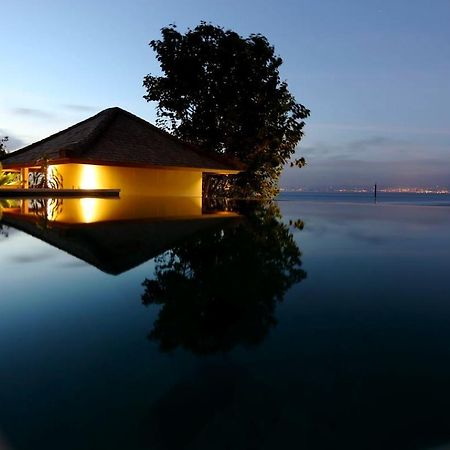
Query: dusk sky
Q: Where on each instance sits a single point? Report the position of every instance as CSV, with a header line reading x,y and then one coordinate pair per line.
x,y
375,74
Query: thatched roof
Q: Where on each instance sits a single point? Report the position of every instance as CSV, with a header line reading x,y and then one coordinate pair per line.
x,y
117,137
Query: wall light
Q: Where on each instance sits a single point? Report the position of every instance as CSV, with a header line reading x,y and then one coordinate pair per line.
x,y
89,177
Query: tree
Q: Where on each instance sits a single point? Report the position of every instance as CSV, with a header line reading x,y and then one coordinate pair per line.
x,y
223,93
5,178
3,142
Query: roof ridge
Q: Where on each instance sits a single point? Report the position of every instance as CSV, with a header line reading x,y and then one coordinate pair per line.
x,y
217,157
109,113
150,144
154,127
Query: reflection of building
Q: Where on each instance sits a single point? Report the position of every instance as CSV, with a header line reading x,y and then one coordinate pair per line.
x,y
115,149
72,211
113,235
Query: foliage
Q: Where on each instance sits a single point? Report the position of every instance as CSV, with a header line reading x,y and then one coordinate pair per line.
x,y
223,93
3,142
8,178
5,178
221,288
47,176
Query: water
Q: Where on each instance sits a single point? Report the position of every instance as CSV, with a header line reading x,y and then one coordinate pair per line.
x,y
322,324
399,198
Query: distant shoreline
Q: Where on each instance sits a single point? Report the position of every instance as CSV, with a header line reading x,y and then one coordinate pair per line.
x,y
380,191
393,198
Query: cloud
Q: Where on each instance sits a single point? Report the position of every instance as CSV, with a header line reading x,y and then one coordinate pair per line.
x,y
31,258
382,128
374,142
389,161
76,263
376,147
357,172
13,142
314,149
33,112
80,108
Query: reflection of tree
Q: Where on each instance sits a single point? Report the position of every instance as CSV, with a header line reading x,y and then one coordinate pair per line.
x,y
46,210
221,288
3,229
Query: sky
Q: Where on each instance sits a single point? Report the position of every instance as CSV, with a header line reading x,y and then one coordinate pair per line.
x,y
375,75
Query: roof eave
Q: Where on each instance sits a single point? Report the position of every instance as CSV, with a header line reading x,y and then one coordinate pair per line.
x,y
59,161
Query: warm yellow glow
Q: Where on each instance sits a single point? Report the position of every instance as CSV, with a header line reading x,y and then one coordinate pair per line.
x,y
129,208
89,178
88,209
132,180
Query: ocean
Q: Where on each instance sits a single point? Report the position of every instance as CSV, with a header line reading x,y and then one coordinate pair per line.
x,y
320,321
363,197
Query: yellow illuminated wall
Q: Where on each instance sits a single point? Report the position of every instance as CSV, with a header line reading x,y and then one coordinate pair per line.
x,y
132,181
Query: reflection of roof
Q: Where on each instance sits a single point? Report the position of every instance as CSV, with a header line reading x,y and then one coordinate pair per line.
x,y
115,247
117,137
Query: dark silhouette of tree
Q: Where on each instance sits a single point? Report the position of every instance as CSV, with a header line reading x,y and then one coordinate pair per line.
x,y
223,93
3,142
3,229
221,289
5,178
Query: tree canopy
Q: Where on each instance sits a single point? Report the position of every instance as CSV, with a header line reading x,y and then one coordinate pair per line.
x,y
223,93
3,142
8,178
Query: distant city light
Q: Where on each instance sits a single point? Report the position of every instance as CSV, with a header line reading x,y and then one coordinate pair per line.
x,y
406,190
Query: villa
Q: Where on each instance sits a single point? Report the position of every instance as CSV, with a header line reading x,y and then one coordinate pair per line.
x,y
117,150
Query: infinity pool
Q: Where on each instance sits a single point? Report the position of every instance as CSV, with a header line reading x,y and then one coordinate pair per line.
x,y
305,324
